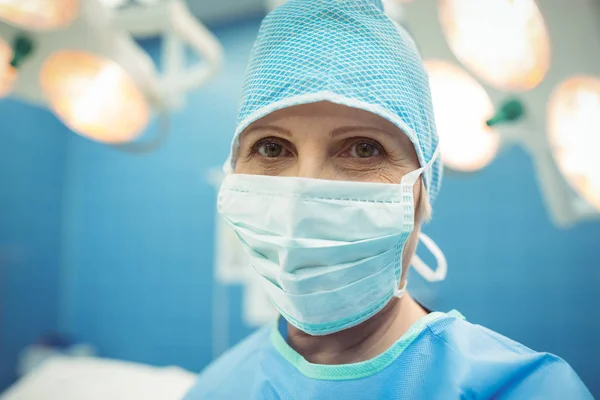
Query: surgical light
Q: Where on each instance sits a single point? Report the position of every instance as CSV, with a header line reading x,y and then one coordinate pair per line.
x,y
461,107
94,76
504,42
94,96
39,14
573,119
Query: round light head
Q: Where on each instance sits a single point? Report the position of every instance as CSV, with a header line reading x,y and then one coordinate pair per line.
x,y
461,107
94,96
8,74
574,130
504,42
39,14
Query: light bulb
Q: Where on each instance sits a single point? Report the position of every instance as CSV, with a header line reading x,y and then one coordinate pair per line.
x,y
39,14
461,107
94,96
8,74
504,42
574,132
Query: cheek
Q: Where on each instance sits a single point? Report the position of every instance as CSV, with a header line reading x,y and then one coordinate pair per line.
x,y
393,174
388,173
242,159
382,173
256,165
243,166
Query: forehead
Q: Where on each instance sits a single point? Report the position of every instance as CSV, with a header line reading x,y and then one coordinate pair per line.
x,y
328,115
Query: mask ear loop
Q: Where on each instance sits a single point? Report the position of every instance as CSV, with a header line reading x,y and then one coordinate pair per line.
x,y
423,269
406,184
399,292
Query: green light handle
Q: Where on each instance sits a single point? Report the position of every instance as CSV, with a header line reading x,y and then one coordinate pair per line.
x,y
22,48
512,110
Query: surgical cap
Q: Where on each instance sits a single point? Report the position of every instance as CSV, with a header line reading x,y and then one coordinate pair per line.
x,y
347,52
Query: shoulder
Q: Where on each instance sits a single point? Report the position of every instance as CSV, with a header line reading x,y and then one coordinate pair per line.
x,y
232,367
507,367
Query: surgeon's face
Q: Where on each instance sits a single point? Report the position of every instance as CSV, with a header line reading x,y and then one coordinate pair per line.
x,y
329,141
326,141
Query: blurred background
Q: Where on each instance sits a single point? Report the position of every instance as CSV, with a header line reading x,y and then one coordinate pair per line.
x,y
116,117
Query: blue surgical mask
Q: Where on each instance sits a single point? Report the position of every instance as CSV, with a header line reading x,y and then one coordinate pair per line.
x,y
328,252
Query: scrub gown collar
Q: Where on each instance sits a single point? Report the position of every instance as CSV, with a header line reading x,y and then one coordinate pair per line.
x,y
355,370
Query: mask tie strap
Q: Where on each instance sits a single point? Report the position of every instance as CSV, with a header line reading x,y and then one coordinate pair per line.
x,y
423,269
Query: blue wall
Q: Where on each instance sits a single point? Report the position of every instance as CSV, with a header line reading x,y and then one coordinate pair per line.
x,y
137,247
140,230
32,166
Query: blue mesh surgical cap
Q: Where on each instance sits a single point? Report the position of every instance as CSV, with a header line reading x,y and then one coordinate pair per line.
x,y
347,52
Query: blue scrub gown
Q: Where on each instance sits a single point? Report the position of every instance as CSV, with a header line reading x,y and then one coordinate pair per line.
x,y
441,357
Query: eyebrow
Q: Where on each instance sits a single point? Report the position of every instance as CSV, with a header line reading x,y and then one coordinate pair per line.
x,y
275,128
357,128
336,132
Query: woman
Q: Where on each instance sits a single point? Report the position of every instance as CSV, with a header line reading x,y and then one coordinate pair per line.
x,y
335,164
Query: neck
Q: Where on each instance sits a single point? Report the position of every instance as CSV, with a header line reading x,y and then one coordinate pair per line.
x,y
362,342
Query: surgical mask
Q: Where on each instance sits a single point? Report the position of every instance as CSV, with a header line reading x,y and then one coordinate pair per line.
x,y
328,252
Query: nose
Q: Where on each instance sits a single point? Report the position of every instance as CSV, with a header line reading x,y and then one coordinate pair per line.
x,y
312,161
318,167
311,165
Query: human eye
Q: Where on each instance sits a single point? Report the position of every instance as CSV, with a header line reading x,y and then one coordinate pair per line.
x,y
271,148
364,149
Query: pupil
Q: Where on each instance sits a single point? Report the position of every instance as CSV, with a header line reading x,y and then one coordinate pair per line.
x,y
364,150
272,149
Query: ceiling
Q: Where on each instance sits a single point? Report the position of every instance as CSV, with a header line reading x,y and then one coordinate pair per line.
x,y
219,11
